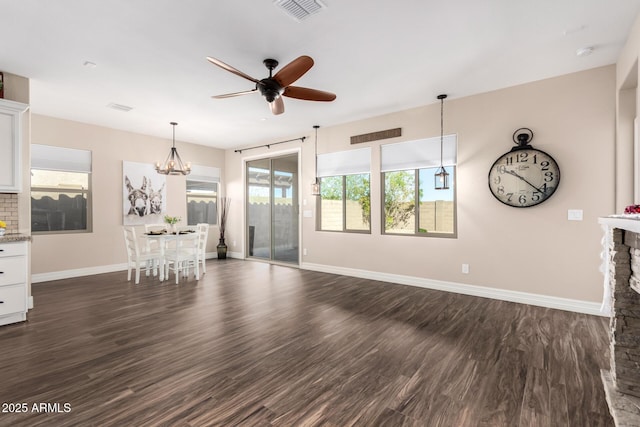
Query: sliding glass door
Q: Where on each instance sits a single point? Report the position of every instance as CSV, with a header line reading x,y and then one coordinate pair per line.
x,y
258,208
272,209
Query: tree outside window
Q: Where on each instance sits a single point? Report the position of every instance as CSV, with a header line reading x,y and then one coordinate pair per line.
x,y
432,214
399,202
345,203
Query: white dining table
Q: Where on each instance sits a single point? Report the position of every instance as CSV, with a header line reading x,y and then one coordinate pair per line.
x,y
163,240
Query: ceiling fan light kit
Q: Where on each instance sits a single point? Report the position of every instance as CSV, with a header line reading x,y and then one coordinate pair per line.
x,y
274,87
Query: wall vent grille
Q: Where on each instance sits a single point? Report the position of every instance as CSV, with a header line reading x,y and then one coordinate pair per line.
x,y
120,107
375,136
300,9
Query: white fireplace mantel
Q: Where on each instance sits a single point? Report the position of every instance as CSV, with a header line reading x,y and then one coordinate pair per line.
x,y
626,222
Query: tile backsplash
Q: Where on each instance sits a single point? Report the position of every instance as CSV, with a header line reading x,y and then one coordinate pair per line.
x,y
9,211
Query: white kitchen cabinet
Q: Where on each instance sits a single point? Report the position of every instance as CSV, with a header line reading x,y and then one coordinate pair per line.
x,y
11,145
13,282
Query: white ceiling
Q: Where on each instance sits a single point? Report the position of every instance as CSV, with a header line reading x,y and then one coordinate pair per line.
x,y
378,57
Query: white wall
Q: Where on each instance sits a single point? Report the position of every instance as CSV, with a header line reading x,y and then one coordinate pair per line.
x,y
534,250
627,106
104,246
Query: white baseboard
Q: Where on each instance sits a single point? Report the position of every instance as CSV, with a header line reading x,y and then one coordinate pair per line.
x,y
578,306
89,271
78,272
214,255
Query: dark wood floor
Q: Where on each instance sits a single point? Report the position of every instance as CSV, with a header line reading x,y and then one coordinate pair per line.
x,y
254,344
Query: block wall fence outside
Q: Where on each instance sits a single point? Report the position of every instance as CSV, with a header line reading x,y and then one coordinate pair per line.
x,y
286,221
434,216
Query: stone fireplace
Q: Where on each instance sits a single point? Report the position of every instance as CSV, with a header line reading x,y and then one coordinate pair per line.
x,y
622,301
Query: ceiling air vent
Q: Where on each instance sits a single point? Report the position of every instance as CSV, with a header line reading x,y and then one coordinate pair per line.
x,y
300,9
120,107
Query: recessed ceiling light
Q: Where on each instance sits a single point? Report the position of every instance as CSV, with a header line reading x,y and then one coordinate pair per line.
x,y
584,51
90,64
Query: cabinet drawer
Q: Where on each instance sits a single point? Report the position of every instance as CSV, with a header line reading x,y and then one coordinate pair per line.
x,y
13,270
13,249
13,299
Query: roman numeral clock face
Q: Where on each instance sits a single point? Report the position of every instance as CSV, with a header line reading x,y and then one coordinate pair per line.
x,y
524,177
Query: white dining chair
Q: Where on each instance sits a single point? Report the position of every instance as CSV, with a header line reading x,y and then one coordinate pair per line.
x,y
153,244
186,229
203,235
182,257
137,257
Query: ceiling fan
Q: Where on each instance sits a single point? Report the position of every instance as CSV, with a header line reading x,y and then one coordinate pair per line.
x,y
273,88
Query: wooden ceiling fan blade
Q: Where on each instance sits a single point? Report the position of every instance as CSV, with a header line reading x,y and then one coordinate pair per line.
x,y
231,69
277,106
231,95
293,70
308,94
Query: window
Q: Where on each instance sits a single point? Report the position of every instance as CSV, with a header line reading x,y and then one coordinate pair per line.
x,y
411,204
60,189
202,202
345,202
202,195
434,212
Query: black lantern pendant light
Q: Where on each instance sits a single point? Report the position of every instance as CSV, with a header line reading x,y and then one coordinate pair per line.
x,y
441,177
173,165
315,187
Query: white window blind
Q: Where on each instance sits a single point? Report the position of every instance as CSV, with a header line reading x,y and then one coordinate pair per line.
x,y
419,154
62,159
204,173
348,162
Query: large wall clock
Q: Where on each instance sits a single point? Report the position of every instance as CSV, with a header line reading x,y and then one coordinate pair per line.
x,y
524,176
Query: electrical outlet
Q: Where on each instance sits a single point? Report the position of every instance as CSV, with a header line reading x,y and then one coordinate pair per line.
x,y
304,251
234,244
465,268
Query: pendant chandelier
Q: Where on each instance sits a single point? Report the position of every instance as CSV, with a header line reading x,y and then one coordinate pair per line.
x,y
173,165
441,177
315,187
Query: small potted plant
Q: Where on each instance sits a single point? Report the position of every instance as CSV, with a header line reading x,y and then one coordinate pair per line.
x,y
3,228
172,221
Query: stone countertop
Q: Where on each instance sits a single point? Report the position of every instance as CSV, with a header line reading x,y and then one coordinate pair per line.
x,y
14,237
